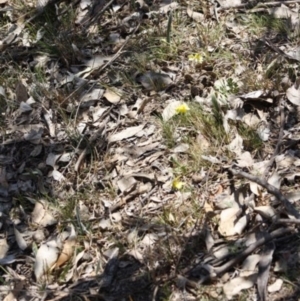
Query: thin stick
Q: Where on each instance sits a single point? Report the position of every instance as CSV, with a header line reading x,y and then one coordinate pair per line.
x,y
125,199
94,15
279,141
273,3
290,209
278,50
228,265
219,271
92,141
287,221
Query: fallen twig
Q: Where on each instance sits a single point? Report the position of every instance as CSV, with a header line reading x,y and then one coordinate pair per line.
x,y
97,11
290,209
92,141
265,4
279,141
278,50
125,199
239,257
287,221
219,271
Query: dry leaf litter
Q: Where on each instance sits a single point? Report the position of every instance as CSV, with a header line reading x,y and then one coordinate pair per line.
x,y
107,189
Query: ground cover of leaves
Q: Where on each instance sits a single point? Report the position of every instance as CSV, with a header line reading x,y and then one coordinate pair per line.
x,y
149,150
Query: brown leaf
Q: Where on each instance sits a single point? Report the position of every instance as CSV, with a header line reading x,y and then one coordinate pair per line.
x,y
3,247
67,252
264,269
21,92
13,295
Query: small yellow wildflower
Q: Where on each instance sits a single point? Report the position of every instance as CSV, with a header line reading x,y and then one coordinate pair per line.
x,y
182,109
177,185
196,57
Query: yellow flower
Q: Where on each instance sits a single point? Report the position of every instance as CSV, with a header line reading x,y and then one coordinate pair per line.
x,y
196,57
182,109
177,185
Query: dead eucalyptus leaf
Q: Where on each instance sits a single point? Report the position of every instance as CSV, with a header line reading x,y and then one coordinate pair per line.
x,y
68,248
263,270
21,92
127,133
18,287
149,239
284,12
228,218
112,96
266,211
211,159
105,224
276,286
275,180
198,17
45,258
154,81
167,6
181,148
98,112
236,145
225,201
229,3
234,286
116,217
126,183
293,94
170,110
97,61
2,90
253,94
51,159
293,196
221,251
57,175
95,94
241,224
249,265
209,240
36,151
41,4
3,247
41,216
245,160
251,120
263,132
51,126
34,135
19,239
25,107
